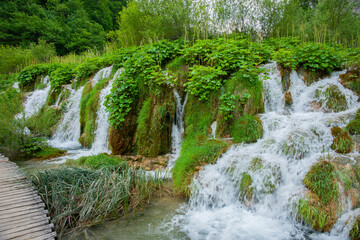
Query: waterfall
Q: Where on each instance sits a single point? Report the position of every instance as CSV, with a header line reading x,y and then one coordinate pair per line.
x,y
101,141
217,209
177,129
68,131
213,129
102,74
37,99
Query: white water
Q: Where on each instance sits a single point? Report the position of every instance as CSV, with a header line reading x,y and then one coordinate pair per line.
x,y
217,210
36,99
68,132
102,74
101,141
177,129
213,129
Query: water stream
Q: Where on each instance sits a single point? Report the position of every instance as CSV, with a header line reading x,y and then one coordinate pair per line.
x,y
177,129
218,209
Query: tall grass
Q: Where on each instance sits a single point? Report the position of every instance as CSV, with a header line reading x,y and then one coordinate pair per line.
x,y
78,197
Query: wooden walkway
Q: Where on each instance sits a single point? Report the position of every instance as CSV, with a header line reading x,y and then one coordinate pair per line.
x,y
22,213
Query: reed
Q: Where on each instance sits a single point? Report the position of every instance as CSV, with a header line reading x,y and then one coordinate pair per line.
x,y
77,197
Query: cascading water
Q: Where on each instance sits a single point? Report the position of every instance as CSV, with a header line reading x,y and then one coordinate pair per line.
x,y
273,169
68,131
177,129
37,98
102,74
101,142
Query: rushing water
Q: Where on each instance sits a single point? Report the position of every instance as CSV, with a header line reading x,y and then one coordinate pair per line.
x,y
37,98
67,133
177,129
218,210
101,141
102,74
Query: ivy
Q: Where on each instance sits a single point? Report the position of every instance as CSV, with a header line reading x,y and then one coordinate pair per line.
x,y
204,81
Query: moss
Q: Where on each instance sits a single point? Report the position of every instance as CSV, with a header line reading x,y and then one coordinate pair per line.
x,y
247,129
197,149
246,191
354,233
342,142
351,80
97,161
44,123
48,152
88,109
153,135
354,125
332,98
321,180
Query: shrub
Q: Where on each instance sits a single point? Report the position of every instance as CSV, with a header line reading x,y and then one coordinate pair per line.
x,y
62,75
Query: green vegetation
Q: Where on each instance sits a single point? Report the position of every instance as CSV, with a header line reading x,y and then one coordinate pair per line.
x,y
78,197
342,142
354,233
331,98
354,125
97,161
45,122
247,129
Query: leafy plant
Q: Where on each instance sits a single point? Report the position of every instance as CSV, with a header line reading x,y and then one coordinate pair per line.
x,y
62,75
247,129
227,105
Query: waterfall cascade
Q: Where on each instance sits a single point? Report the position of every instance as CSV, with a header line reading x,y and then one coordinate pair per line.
x,y
37,98
219,209
68,131
101,141
177,129
102,74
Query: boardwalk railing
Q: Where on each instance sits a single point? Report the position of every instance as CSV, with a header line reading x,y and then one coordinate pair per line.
x,y
22,212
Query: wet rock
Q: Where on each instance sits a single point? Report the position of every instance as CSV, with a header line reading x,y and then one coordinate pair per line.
x,y
342,142
147,163
331,98
288,98
315,105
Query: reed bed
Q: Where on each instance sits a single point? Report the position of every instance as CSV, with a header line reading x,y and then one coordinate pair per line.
x,y
77,197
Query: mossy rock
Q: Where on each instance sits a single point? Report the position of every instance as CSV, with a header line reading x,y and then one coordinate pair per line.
x,y
332,98
351,80
309,76
247,129
354,125
285,77
48,153
354,233
296,145
45,122
245,189
342,142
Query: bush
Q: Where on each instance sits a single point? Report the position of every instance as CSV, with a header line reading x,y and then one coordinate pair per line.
x,y
97,161
62,75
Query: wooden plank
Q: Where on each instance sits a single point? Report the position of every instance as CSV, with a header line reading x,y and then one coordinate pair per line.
x,y
38,222
19,205
19,199
46,237
12,188
20,192
28,230
24,212
28,215
19,209
12,178
24,220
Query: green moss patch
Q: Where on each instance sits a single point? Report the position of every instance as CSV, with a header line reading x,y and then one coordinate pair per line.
x,y
342,142
354,233
97,161
332,98
354,125
247,129
48,153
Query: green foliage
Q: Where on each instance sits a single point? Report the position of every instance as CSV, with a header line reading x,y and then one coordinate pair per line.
x,y
227,105
354,233
29,74
7,81
204,81
78,197
33,145
43,124
47,152
246,191
313,214
286,58
354,125
89,67
332,98
97,161
321,180
247,129
62,75
342,142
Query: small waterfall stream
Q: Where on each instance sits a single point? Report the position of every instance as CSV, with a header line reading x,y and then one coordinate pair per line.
x,y
37,98
177,129
218,209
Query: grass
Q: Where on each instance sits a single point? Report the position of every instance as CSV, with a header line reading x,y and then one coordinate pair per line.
x,y
321,180
247,129
44,123
312,214
354,126
342,142
354,233
48,152
78,197
96,161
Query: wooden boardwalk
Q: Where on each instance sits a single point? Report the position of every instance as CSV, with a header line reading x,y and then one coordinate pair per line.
x,y
22,212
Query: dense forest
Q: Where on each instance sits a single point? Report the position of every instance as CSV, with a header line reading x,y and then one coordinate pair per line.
x,y
250,106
